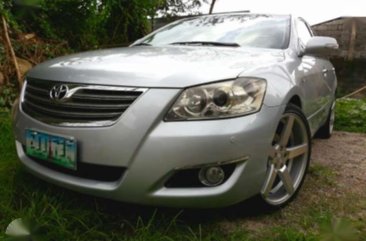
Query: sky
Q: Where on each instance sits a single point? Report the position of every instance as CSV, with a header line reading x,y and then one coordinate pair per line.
x,y
313,11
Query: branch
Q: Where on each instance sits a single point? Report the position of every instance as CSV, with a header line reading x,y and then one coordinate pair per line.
x,y
354,92
212,6
8,45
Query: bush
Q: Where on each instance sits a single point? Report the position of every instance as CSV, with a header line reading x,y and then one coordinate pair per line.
x,y
84,24
8,94
351,115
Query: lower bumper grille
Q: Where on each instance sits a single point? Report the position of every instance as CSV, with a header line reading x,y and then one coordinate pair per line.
x,y
87,171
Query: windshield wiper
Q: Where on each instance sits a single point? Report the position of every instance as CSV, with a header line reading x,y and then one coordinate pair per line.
x,y
210,43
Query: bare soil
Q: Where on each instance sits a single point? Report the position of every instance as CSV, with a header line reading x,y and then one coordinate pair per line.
x,y
345,155
335,186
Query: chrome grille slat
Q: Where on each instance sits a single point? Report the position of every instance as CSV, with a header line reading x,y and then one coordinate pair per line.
x,y
88,105
37,90
109,98
72,105
71,114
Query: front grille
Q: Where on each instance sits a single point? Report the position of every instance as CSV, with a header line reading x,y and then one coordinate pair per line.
x,y
88,105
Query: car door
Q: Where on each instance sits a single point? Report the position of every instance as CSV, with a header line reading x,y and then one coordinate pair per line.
x,y
314,87
329,78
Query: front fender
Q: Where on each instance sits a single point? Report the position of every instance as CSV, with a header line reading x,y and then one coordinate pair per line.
x,y
281,87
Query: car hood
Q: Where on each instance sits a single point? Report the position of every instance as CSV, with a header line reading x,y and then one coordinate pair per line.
x,y
145,66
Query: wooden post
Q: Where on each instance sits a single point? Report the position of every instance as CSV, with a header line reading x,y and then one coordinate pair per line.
x,y
9,47
352,41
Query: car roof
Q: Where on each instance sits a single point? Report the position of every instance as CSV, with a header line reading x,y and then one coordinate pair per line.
x,y
241,13
235,13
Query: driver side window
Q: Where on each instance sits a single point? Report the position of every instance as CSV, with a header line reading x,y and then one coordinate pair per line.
x,y
304,33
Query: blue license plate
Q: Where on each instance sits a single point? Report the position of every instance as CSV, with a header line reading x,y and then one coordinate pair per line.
x,y
61,151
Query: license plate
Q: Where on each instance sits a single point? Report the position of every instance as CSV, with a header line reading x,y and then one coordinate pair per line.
x,y
55,149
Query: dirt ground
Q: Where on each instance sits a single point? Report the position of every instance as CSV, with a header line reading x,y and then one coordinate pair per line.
x,y
345,154
335,184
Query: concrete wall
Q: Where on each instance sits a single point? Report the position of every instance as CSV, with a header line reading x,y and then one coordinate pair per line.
x,y
351,75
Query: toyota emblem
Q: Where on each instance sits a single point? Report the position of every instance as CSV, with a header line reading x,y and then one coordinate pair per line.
x,y
59,93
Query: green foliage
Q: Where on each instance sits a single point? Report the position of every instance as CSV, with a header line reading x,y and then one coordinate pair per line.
x,y
351,115
5,6
339,230
76,21
87,24
174,7
289,234
323,174
126,20
8,94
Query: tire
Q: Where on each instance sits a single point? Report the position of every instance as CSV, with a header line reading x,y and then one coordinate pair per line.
x,y
288,159
326,130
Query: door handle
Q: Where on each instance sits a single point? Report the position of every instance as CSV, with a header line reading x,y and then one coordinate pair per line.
x,y
325,72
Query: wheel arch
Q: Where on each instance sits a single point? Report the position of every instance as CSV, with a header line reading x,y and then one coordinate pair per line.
x,y
282,87
295,100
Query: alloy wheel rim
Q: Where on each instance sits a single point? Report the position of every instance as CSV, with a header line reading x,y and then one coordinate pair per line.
x,y
287,160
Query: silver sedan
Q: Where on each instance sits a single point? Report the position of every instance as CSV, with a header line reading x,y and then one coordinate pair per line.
x,y
205,112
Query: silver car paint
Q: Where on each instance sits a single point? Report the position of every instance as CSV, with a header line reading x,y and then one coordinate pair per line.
x,y
151,148
155,67
166,147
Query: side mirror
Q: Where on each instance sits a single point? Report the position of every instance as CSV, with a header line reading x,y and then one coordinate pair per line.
x,y
321,45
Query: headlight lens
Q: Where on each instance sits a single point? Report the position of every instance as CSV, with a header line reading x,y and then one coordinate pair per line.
x,y
220,100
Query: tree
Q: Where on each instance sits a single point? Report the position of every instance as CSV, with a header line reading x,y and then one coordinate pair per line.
x,y
8,47
10,50
212,6
175,7
87,24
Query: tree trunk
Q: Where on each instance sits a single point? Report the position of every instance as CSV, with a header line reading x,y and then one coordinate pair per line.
x,y
212,6
10,50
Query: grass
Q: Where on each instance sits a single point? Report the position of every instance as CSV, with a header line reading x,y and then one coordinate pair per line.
x,y
351,115
58,214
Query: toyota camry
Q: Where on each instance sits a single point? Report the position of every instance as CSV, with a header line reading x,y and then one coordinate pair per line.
x,y
207,111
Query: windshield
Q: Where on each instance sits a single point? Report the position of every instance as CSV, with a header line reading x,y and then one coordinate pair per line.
x,y
249,30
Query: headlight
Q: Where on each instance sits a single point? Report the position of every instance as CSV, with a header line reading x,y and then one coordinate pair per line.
x,y
220,100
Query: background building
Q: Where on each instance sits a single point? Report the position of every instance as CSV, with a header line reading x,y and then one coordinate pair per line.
x,y
350,33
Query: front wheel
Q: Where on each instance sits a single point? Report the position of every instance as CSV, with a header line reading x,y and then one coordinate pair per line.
x,y
288,159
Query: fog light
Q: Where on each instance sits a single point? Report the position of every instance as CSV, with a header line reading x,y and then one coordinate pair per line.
x,y
211,176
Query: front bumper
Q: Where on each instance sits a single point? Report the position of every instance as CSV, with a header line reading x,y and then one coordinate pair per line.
x,y
151,149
